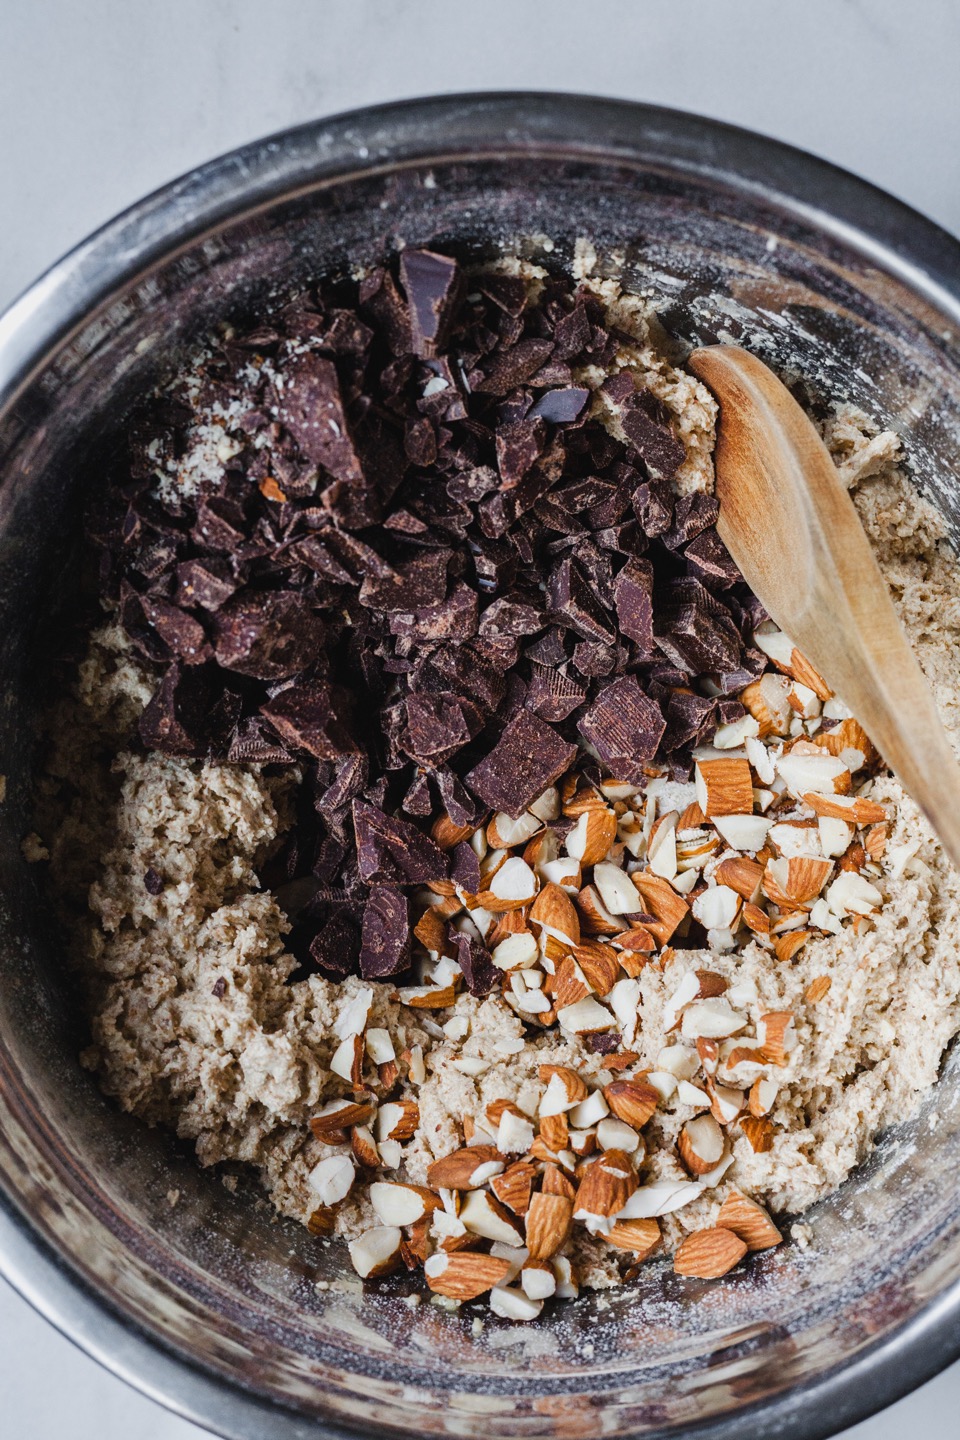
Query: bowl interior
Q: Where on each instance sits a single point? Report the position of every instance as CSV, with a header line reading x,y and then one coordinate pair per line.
x,y
213,1280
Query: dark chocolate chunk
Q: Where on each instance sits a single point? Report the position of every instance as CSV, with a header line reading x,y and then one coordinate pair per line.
x,y
572,332
432,286
526,759
256,742
693,630
624,726
381,302
336,946
519,446
219,988
420,582
560,406
633,592
152,881
175,719
268,635
553,694
657,446
306,717
688,716
473,957
183,634
573,603
513,366
311,408
208,583
455,618
391,851
692,514
465,867
711,560
386,937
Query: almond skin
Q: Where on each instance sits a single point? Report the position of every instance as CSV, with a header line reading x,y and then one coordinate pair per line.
x,y
548,1221
574,1084
631,1101
554,907
513,1187
357,1113
467,1274
555,1131
640,1236
748,1220
606,1184
759,1131
708,1254
555,1182
599,965
455,1172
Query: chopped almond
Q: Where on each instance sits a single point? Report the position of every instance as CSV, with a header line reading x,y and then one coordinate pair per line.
x,y
724,787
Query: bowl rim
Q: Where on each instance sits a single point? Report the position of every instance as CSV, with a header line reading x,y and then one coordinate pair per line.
x,y
867,220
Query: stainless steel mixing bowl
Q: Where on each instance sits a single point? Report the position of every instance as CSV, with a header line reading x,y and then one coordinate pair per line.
x,y
208,1306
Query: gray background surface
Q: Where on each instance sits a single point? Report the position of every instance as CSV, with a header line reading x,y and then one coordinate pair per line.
x,y
102,100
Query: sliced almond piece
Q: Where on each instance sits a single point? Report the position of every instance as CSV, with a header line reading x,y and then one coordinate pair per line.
x,y
598,963
713,1018
376,1252
548,1223
855,809
662,847
446,834
660,900
632,1101
553,911
763,1096
595,918
556,1182
586,1017
875,840
748,1220
777,1035
322,1221
503,833
717,907
819,773
514,1133
613,1134
660,1197
465,1275
332,1178
401,1204
700,1144
516,952
605,1186
398,1120
725,1103
851,894
591,838
708,1254
513,1304
756,919
724,787
569,984
465,1169
743,832
341,1115
347,1060
482,1214
428,997
364,1147
817,989
513,886
513,1187
617,890
640,1236
759,1131
555,1132
565,1088
590,1111
537,1280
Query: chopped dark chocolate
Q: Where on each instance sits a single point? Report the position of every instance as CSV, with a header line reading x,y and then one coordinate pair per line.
x,y
392,851
624,726
432,286
479,971
386,937
526,759
424,571
152,881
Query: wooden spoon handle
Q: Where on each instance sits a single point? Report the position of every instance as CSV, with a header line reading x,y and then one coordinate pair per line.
x,y
793,531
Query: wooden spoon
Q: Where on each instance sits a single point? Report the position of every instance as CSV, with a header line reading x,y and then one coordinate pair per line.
x,y
792,529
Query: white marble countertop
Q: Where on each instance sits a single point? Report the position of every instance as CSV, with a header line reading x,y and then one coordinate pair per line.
x,y
104,100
